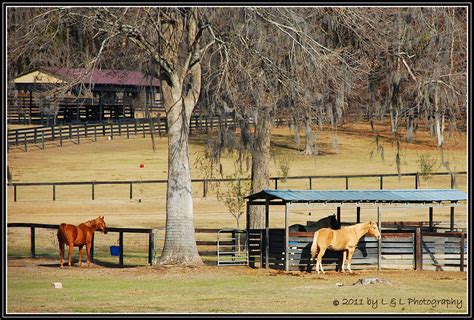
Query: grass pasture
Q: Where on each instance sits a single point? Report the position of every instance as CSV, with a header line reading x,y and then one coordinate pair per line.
x,y
138,288
226,290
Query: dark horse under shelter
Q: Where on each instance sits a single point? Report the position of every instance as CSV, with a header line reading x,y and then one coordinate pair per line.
x,y
313,226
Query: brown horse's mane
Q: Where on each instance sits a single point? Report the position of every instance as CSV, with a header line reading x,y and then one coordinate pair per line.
x,y
90,223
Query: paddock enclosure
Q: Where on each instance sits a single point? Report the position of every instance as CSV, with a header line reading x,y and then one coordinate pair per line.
x,y
402,246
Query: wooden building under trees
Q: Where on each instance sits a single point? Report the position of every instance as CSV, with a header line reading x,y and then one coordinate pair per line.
x,y
71,95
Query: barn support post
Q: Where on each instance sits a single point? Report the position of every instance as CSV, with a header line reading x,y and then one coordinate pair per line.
x,y
430,219
418,250
267,232
379,245
33,242
121,248
60,136
287,259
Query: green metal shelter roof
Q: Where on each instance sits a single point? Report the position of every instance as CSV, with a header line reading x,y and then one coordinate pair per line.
x,y
353,196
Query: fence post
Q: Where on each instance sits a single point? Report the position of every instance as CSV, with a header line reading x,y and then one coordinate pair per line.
x,y
347,182
128,134
14,192
92,248
151,246
85,129
53,135
95,132
42,140
70,132
131,191
358,215
461,255
417,180
93,190
36,137
54,192
451,219
418,250
121,248
26,143
143,127
276,183
16,137
33,242
78,136
120,128
452,181
204,188
310,183
111,131
381,182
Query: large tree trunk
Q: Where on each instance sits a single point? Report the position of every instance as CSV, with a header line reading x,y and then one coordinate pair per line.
x,y
180,240
261,165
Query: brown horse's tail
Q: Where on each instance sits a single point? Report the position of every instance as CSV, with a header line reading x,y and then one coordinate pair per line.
x,y
60,232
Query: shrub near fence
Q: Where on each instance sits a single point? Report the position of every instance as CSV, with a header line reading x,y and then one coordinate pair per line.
x,y
309,182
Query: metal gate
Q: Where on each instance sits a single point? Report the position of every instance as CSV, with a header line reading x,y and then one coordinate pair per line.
x,y
232,247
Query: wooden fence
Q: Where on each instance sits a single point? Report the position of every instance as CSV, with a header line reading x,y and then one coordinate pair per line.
x,y
397,250
205,182
74,133
207,247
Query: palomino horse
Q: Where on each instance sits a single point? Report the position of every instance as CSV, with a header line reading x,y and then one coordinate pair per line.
x,y
79,236
344,239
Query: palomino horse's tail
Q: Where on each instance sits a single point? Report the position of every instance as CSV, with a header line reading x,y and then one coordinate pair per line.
x,y
314,246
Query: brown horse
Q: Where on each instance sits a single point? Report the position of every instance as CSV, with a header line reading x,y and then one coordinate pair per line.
x,y
79,236
344,239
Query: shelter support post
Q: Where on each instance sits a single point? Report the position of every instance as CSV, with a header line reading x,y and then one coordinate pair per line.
x,y
379,248
267,232
358,215
451,219
430,219
287,259
339,214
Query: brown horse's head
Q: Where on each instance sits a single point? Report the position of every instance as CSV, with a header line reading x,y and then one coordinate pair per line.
x,y
374,230
100,224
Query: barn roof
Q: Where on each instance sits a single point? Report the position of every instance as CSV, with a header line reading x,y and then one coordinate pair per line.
x,y
354,196
51,75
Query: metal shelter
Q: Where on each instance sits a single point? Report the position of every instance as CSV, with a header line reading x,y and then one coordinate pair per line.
x,y
378,198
